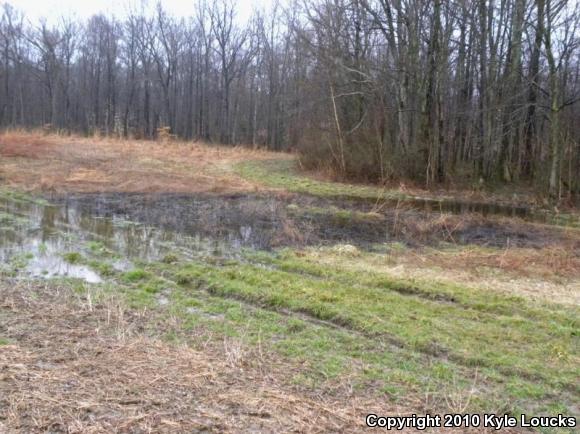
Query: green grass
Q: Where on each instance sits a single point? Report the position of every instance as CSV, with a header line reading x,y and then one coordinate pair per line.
x,y
396,338
390,336
472,332
98,249
429,333
12,221
20,197
401,336
7,219
104,269
170,258
20,261
282,174
135,275
73,257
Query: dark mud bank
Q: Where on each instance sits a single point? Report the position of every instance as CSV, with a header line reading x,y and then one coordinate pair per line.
x,y
266,222
58,237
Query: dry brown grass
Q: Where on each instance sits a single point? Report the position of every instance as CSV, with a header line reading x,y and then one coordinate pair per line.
x,y
549,274
548,263
41,162
78,366
532,250
434,227
16,144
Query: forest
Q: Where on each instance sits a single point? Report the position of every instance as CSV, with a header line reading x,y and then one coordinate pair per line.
x,y
479,92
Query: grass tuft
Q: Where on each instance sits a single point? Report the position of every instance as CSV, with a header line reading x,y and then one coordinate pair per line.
x,y
73,257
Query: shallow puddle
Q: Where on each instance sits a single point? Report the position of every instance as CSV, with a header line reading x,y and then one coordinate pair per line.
x,y
45,240
465,207
50,239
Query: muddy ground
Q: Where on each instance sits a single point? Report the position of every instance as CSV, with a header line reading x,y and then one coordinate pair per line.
x,y
69,363
266,221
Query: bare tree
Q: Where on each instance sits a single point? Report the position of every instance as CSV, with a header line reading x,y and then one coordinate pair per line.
x,y
483,90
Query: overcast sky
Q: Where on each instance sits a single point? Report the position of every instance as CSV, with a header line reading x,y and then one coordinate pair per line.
x,y
53,9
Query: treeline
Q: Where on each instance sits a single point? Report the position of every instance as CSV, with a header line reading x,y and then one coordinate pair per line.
x,y
429,90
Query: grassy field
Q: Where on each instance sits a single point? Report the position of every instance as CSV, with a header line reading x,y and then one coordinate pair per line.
x,y
394,327
401,337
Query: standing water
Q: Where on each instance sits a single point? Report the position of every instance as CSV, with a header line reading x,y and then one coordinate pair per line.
x,y
39,239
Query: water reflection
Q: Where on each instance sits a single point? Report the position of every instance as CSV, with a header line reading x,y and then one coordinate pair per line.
x,y
34,237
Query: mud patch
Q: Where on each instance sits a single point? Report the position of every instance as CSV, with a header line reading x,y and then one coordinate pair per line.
x,y
267,221
36,236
